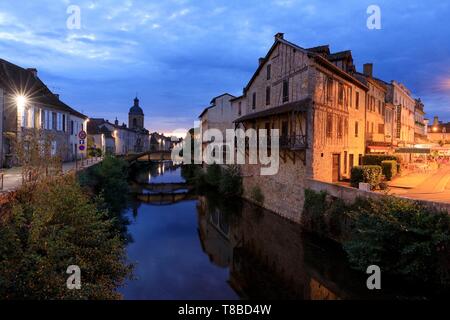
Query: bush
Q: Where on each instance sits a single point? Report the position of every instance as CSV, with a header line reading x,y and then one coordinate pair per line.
x,y
49,226
257,195
376,160
401,237
231,182
213,175
389,169
366,174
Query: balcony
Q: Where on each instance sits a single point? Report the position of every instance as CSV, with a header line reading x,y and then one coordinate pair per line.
x,y
293,142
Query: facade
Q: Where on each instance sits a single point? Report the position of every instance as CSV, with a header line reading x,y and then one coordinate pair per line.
x,y
120,139
318,106
439,132
379,118
420,130
400,97
28,105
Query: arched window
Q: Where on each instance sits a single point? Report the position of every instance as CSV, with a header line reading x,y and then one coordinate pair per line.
x,y
134,122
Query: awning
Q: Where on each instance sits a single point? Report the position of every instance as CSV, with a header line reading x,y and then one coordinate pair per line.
x,y
301,105
379,148
413,150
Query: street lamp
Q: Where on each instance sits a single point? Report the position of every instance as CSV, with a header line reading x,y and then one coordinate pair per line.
x,y
21,101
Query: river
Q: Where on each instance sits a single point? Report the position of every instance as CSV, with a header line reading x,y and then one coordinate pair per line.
x,y
192,247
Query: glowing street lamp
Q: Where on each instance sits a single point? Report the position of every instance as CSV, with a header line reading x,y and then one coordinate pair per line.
x,y
21,102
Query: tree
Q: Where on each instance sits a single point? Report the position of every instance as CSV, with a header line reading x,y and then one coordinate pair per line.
x,y
49,226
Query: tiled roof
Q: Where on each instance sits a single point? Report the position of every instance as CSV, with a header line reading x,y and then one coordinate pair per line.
x,y
301,105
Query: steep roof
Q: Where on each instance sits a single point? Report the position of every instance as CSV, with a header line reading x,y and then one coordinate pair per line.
x,y
20,81
320,54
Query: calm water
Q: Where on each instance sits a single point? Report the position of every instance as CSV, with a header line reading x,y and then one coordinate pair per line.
x,y
189,247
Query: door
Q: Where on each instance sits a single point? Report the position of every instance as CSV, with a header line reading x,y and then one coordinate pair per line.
x,y
336,167
350,163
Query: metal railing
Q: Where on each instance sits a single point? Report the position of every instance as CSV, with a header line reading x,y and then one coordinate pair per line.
x,y
293,142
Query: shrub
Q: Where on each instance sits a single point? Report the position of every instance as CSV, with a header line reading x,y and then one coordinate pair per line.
x,y
51,225
389,169
401,237
257,195
376,159
366,174
213,175
231,182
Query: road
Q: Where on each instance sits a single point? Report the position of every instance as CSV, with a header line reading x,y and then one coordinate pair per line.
x,y
12,178
433,187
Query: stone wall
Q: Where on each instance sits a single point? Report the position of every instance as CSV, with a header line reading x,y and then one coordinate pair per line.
x,y
283,192
349,194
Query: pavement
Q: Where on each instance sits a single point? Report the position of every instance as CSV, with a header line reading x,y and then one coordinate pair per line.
x,y
433,186
12,178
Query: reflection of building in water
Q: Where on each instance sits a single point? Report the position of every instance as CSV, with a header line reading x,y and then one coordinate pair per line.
x,y
214,236
269,257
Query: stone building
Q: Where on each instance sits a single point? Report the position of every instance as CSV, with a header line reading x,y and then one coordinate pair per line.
x,y
120,139
400,96
312,97
28,105
439,132
1,126
379,117
420,130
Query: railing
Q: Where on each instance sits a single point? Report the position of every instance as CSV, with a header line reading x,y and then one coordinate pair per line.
x,y
293,142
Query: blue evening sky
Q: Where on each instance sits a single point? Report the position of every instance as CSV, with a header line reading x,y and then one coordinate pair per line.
x,y
178,54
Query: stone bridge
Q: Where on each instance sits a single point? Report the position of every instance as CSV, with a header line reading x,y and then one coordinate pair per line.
x,y
149,156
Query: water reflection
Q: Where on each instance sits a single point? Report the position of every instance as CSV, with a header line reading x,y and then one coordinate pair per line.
x,y
211,248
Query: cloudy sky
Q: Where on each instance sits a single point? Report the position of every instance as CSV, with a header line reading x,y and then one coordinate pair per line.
x,y
178,54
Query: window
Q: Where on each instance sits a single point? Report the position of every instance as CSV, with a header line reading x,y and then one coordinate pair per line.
x,y
71,127
329,126
381,128
269,71
284,129
285,90
254,101
341,93
379,106
267,96
64,123
345,161
360,157
357,100
356,129
240,108
371,127
340,128
330,89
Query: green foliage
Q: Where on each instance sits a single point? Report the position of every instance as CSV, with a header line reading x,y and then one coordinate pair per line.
x,y
109,179
367,174
213,175
322,216
401,237
95,152
376,160
389,169
49,226
231,182
257,195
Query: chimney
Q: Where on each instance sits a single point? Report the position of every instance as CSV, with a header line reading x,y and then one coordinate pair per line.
x,y
33,71
261,61
279,35
368,69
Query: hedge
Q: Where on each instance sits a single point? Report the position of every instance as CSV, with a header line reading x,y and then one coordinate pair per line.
x,y
389,169
377,159
366,174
